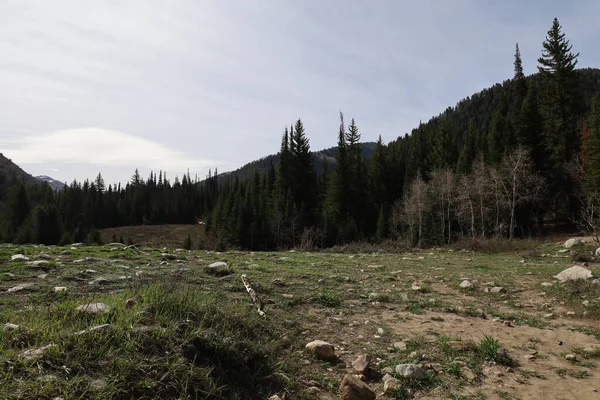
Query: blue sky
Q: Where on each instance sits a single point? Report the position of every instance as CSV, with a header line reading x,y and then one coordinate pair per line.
x,y
113,85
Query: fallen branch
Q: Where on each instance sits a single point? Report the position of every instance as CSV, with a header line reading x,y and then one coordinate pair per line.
x,y
253,295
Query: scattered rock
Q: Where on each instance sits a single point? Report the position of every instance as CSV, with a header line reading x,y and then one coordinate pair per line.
x,y
353,388
99,281
278,282
412,371
93,308
363,364
497,289
386,377
98,384
58,289
168,256
321,349
19,288
546,284
574,242
400,346
19,257
596,282
571,357
466,284
468,374
96,328
390,385
530,357
274,397
574,273
39,264
388,370
218,265
32,354
460,346
10,327
380,331
416,288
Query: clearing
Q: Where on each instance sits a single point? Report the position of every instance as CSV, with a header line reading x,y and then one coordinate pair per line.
x,y
170,327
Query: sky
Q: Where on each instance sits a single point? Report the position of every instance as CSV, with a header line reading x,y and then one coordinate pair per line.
x,y
110,86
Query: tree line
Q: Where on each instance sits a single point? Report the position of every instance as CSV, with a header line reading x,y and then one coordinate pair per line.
x,y
509,161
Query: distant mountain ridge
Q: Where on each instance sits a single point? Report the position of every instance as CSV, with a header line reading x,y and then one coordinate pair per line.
x,y
54,184
10,175
262,164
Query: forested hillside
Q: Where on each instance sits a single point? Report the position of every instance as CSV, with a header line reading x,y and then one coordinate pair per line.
x,y
510,161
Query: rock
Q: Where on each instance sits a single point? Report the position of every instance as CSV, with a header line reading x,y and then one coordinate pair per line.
x,y
400,346
460,346
468,374
168,256
39,264
585,303
466,284
546,284
363,363
278,282
390,385
218,265
412,371
321,349
574,273
288,296
416,288
274,397
571,357
597,252
353,388
42,276
596,282
99,281
96,328
388,370
19,257
574,242
530,357
497,289
10,327
129,303
44,256
386,377
32,354
93,308
19,288
380,331
58,289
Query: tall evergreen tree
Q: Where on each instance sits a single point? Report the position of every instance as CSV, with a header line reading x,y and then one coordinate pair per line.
x,y
519,79
593,150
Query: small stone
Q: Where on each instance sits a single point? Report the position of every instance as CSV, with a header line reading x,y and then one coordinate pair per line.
x,y
19,288
99,281
380,331
400,346
386,377
466,284
321,349
497,289
570,313
571,357
353,388
218,265
19,257
274,397
10,327
412,371
530,357
546,284
390,385
574,242
363,363
278,282
93,308
58,289
416,288
585,303
388,370
32,354
468,374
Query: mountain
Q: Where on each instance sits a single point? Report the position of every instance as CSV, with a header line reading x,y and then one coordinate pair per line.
x,y
262,164
54,184
10,174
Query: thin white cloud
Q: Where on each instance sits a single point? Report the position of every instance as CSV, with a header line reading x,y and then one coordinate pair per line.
x,y
101,147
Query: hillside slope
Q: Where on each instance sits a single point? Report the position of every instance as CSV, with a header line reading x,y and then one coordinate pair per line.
x,y
10,174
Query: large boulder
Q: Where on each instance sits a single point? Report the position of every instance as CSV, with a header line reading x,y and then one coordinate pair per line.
x,y
574,273
353,388
321,349
574,242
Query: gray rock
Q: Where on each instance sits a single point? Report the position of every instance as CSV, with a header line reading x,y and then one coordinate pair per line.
x,y
413,371
93,308
571,357
574,242
597,252
400,346
100,282
19,288
546,284
497,289
218,265
596,282
32,354
386,377
96,328
19,257
466,284
10,327
352,388
59,289
574,273
39,264
321,349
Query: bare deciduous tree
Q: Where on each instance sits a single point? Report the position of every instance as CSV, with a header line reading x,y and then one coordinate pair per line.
x,y
517,183
415,205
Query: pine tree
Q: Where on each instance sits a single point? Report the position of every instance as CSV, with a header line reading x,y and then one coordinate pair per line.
x,y
519,79
557,67
18,209
529,129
